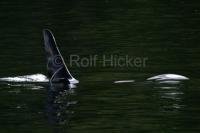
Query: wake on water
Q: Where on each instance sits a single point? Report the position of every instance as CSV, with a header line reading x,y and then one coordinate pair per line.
x,y
41,78
33,81
33,78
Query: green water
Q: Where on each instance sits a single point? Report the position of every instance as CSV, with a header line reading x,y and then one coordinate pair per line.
x,y
167,32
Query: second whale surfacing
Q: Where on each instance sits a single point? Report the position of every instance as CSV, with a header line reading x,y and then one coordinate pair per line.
x,y
168,79
163,77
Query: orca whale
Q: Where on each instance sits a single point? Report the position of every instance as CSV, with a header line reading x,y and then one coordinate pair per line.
x,y
59,73
56,67
164,77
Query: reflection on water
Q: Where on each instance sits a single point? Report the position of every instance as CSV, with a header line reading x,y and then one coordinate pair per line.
x,y
171,96
103,106
60,103
27,86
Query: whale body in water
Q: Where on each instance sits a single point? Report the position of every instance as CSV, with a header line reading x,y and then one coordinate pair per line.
x,y
168,79
164,77
57,70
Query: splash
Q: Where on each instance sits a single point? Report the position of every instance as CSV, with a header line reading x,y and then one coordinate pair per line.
x,y
33,78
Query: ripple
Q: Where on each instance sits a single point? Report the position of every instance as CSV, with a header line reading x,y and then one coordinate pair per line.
x,y
124,81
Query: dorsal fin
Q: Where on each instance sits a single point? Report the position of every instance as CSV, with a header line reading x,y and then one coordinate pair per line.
x,y
57,70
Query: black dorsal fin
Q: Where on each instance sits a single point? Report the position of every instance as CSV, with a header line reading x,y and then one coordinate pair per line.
x,y
57,70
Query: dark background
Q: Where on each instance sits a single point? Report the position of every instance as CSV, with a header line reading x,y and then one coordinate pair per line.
x,y
165,31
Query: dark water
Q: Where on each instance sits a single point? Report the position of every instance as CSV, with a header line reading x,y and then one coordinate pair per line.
x,y
166,32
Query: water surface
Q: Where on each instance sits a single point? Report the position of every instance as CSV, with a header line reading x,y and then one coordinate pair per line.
x,y
167,32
